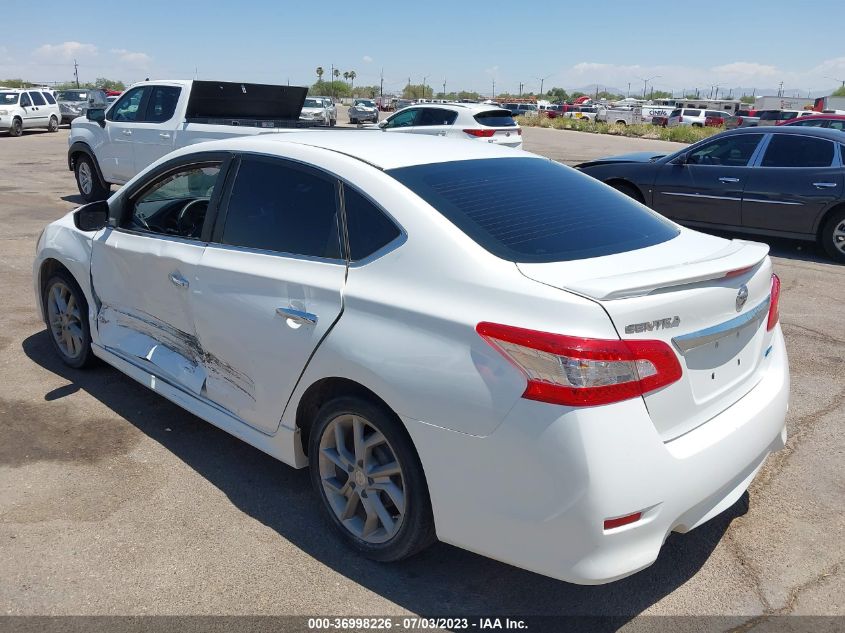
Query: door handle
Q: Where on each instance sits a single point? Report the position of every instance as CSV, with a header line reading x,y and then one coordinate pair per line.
x,y
127,132
727,179
824,185
178,280
298,316
164,135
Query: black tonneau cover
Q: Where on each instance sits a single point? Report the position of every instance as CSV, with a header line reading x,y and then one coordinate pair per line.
x,y
260,105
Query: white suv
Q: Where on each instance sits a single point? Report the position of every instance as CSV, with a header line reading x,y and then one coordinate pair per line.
x,y
457,120
26,109
692,116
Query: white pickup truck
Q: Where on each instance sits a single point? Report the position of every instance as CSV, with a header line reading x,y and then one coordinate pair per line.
x,y
152,118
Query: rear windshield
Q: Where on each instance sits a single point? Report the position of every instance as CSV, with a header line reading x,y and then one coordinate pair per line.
x,y
495,118
777,115
73,95
533,210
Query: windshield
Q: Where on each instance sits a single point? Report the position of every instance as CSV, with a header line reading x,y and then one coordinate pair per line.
x,y
8,98
313,103
72,95
534,210
365,102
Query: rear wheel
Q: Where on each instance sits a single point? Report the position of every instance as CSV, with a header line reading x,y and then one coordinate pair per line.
x,y
54,124
87,180
833,236
66,313
697,125
370,480
17,127
353,121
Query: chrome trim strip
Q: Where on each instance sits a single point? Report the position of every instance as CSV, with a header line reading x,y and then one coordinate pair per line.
x,y
796,204
694,340
698,195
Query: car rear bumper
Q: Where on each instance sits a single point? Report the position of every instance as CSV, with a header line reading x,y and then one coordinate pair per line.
x,y
536,492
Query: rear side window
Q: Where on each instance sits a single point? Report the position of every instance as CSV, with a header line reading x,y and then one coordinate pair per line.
x,y
692,112
436,116
495,118
369,229
715,113
789,150
534,210
162,103
675,113
49,98
275,206
37,99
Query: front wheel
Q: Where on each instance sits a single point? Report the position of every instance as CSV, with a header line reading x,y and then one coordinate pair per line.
x,y
370,480
353,121
833,236
17,127
53,125
66,313
87,180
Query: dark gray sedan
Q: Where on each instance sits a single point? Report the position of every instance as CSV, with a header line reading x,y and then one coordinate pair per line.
x,y
779,181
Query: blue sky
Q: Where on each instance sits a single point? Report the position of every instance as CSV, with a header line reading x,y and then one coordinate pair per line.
x,y
469,44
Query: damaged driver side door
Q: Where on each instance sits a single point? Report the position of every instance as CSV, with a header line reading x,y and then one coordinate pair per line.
x,y
143,268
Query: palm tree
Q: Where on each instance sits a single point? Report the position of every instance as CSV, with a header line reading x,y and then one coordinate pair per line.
x,y
336,73
352,75
320,72
346,76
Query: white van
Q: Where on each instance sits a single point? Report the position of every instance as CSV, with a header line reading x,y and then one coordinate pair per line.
x,y
26,109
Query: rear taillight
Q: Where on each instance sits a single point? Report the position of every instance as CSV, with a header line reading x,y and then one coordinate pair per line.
x,y
583,372
774,307
481,133
739,120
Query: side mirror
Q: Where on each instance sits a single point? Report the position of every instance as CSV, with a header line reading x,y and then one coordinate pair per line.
x,y
681,160
98,115
382,124
92,217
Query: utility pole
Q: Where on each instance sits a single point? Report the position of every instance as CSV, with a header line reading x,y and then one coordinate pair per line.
x,y
494,90
520,89
780,89
629,90
444,87
76,72
381,85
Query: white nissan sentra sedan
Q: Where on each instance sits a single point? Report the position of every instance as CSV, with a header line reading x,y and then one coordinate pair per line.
x,y
462,342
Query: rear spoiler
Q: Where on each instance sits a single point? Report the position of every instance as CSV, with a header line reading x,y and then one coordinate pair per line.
x,y
738,255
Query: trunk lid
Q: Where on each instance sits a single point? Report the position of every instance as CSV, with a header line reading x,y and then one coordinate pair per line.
x,y
678,292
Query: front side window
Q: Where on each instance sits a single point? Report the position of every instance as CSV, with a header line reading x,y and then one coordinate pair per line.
x,y
177,203
404,118
734,151
792,150
162,103
37,99
127,107
810,123
278,207
535,210
26,102
837,124
436,116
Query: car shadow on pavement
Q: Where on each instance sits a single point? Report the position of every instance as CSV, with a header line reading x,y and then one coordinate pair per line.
x,y
442,581
74,198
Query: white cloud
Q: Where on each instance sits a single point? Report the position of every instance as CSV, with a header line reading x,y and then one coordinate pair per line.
x,y
743,70
66,51
136,60
367,59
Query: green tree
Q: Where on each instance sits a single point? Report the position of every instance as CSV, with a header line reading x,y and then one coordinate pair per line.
x,y
352,75
320,72
109,84
417,92
15,83
333,88
749,99
839,92
336,73
558,94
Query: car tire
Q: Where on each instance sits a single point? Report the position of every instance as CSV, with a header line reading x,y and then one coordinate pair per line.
x,y
66,317
697,125
833,236
333,122
353,121
87,180
629,190
53,125
17,127
402,523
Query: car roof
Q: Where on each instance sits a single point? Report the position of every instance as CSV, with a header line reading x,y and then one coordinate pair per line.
x,y
382,150
821,132
820,116
468,107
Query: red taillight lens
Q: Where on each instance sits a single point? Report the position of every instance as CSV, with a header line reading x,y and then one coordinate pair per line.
x,y
583,372
739,120
481,133
774,307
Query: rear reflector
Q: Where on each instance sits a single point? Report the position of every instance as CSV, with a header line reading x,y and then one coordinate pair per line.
x,y
583,372
481,133
774,307
609,524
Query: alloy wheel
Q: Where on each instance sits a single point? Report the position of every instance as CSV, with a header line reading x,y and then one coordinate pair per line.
x,y
65,319
839,237
362,479
86,181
